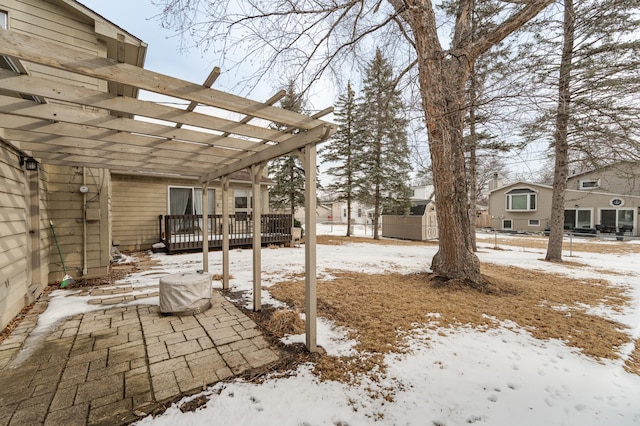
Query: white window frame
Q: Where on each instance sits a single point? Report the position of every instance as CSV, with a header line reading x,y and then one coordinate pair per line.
x,y
534,222
4,19
593,184
529,195
212,193
239,193
504,227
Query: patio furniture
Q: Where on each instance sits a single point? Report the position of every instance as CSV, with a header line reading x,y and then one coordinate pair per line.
x,y
185,294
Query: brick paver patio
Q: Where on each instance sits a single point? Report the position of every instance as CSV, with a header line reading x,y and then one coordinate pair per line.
x,y
112,365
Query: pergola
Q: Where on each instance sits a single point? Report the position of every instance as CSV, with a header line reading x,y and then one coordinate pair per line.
x,y
67,124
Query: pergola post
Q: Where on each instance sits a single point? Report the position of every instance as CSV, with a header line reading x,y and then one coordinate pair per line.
x,y
311,305
225,232
256,177
205,226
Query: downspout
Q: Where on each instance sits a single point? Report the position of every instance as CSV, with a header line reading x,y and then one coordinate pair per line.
x,y
84,224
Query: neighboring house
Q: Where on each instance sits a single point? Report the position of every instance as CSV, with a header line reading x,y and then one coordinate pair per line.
x,y
336,212
323,214
606,200
422,195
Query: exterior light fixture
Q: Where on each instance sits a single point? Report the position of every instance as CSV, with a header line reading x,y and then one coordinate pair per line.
x,y
31,164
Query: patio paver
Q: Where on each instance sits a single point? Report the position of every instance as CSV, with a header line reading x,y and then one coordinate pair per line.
x,y
104,366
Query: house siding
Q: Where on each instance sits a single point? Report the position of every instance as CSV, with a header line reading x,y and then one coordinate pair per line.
x,y
29,259
66,209
51,22
623,178
14,250
593,201
138,201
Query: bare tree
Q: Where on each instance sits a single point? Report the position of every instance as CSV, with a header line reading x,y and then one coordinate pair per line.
x,y
311,36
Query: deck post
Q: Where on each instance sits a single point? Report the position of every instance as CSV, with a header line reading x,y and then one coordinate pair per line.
x,y
311,305
225,232
256,177
205,227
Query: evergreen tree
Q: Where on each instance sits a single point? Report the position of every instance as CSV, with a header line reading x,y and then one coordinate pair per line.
x,y
591,64
287,171
342,152
603,123
384,158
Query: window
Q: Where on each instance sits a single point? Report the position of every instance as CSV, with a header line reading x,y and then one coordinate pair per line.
x,y
507,224
359,212
613,219
344,212
4,20
183,200
242,200
521,199
577,219
589,184
534,222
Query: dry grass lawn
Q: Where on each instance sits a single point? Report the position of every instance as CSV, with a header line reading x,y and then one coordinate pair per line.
x,y
381,309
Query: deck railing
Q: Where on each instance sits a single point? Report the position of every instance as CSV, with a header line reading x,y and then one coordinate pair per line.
x,y
184,232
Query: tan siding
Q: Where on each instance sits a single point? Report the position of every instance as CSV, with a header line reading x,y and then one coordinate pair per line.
x,y
65,208
137,202
48,21
14,260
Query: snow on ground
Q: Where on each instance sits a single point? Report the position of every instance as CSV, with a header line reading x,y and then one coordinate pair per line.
x,y
501,376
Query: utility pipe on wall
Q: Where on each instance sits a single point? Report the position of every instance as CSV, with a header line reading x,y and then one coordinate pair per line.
x,y
84,224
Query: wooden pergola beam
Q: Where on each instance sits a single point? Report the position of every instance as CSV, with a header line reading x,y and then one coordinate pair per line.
x,y
211,78
42,87
111,143
51,113
313,136
45,52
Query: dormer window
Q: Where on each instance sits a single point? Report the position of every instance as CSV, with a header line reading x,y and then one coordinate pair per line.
x,y
521,199
589,184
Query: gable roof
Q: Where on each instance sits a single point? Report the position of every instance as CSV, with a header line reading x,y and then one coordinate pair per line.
x,y
630,165
521,183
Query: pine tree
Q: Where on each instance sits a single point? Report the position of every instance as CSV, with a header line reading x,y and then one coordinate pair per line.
x,y
604,119
591,63
342,152
384,158
287,171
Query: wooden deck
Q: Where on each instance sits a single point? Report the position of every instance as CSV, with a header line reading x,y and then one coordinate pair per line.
x,y
184,232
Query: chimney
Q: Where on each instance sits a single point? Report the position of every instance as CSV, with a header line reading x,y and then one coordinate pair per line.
x,y
495,183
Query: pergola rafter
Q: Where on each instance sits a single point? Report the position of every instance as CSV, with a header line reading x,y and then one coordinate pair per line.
x,y
85,127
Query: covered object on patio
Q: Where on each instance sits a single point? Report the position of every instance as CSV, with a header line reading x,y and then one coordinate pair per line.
x,y
60,123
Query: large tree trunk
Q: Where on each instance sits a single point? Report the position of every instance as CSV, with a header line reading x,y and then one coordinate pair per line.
x,y
554,248
348,215
473,178
442,83
442,77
